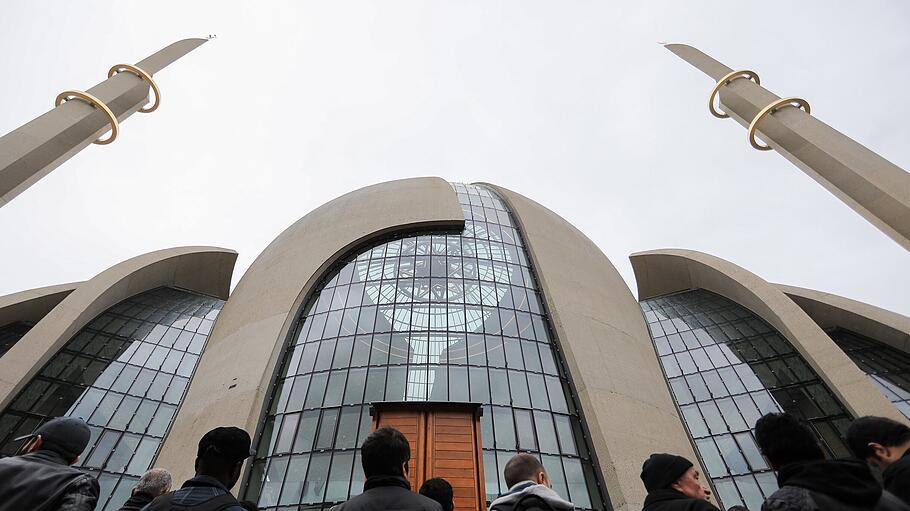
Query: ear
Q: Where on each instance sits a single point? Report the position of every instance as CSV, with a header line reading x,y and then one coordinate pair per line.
x,y
878,450
35,444
676,487
76,460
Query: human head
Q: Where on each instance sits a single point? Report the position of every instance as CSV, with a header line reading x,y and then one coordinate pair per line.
x,y
155,482
663,471
66,436
525,467
439,490
783,439
737,508
385,452
878,440
249,506
221,453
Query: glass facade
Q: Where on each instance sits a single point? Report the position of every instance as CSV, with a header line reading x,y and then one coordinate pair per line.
x,y
438,317
125,373
887,367
726,368
11,333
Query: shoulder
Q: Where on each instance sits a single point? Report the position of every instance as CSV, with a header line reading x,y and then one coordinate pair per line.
x,y
789,498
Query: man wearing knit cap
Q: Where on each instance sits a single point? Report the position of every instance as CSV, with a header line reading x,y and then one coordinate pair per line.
x,y
673,485
42,478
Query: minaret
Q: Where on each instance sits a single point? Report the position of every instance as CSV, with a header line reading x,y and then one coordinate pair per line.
x,y
79,118
873,186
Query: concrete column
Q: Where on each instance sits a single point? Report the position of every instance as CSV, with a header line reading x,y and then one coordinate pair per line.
x,y
873,186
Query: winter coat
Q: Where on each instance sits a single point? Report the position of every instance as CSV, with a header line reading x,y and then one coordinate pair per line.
x,y
672,500
43,480
830,485
897,477
388,493
200,492
528,496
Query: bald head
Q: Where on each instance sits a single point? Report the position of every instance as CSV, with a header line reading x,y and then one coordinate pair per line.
x,y
524,467
155,482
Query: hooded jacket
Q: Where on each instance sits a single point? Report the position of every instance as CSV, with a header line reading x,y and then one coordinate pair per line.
x,y
528,495
668,499
830,485
897,477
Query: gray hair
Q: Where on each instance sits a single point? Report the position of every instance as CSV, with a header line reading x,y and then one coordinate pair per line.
x,y
155,482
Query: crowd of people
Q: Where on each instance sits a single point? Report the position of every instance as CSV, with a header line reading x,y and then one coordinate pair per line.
x,y
42,477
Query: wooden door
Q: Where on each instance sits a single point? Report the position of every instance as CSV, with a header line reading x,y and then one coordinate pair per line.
x,y
445,442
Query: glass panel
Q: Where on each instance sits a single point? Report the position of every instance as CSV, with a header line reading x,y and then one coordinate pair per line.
x,y
437,316
734,363
137,349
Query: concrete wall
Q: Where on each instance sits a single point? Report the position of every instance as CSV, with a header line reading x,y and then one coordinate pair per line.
x,y
33,304
833,311
659,272
205,270
605,342
234,377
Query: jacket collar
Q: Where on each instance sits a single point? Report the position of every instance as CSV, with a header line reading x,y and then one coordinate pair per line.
x,y
203,480
47,456
380,481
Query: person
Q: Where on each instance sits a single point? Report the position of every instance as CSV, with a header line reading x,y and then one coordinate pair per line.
x,y
384,455
248,505
737,508
807,480
439,490
42,478
529,487
153,483
884,444
673,484
219,460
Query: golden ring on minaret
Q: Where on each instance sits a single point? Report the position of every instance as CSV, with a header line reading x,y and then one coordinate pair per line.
x,y
770,109
729,77
96,103
143,75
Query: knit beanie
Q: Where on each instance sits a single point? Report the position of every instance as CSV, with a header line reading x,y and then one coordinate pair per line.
x,y
662,470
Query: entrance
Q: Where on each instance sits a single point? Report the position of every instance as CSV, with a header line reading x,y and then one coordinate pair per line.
x,y
445,442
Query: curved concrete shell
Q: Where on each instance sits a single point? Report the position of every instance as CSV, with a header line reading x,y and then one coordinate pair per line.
x,y
606,344
832,311
33,304
233,379
660,272
205,270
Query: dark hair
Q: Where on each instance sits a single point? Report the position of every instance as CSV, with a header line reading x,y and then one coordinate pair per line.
x,y
439,490
784,439
384,452
880,430
522,467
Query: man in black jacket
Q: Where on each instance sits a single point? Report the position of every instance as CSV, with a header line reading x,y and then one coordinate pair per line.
x,y
42,479
153,483
809,482
384,455
673,485
885,444
219,461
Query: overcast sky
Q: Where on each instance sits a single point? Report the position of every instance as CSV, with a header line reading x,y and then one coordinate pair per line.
x,y
573,104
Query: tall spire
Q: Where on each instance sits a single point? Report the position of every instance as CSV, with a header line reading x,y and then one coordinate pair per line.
x,y
36,148
873,186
